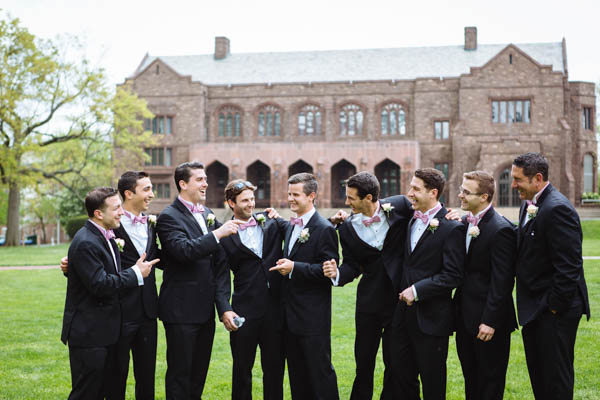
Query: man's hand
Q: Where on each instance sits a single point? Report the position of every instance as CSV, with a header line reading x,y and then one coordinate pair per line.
x,y
64,264
453,215
272,213
407,296
339,217
485,333
330,269
145,266
228,228
284,266
227,320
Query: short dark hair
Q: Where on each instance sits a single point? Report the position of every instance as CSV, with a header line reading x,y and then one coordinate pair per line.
x,y
128,181
432,178
96,198
183,172
485,182
365,183
309,181
532,164
235,187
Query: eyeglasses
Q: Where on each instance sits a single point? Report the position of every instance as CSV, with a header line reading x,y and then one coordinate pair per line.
x,y
465,192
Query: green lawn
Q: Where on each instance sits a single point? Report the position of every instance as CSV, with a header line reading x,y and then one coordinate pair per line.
x,y
34,363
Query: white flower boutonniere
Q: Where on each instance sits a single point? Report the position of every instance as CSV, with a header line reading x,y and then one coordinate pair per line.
x,y
210,219
531,211
152,219
387,207
433,225
304,235
120,244
474,232
260,218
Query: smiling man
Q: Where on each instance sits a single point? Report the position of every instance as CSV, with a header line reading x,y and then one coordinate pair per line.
x,y
551,289
486,313
310,240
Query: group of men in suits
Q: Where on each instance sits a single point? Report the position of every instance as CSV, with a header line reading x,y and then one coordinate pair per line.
x,y
412,254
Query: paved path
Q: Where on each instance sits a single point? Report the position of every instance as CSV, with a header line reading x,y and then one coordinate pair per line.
x,y
56,266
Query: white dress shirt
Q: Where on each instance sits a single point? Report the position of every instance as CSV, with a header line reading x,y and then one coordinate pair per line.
x,y
137,232
252,238
296,232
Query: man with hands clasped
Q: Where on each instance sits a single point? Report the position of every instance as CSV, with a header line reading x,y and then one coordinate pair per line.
x,y
306,294
484,303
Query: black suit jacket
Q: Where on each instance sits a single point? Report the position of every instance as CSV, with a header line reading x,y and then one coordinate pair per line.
x,y
549,264
256,290
307,294
142,301
486,293
381,269
435,267
195,274
92,316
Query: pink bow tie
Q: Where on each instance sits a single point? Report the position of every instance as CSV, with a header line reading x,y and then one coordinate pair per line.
x,y
421,216
371,220
530,202
141,220
472,219
109,234
194,208
248,224
297,221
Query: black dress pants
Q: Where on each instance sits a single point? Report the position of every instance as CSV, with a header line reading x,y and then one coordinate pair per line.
x,y
89,372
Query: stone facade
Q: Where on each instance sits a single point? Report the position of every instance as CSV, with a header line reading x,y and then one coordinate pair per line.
x,y
556,127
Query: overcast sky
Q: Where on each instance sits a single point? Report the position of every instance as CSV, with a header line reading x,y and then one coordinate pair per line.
x,y
118,33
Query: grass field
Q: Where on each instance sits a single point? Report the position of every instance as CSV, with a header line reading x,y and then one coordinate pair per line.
x,y
34,363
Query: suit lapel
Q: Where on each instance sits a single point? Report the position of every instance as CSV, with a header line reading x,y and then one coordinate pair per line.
x,y
238,242
96,231
482,226
288,236
122,233
307,226
187,215
357,238
439,215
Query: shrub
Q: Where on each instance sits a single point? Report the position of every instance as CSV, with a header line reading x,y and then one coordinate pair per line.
x,y
74,224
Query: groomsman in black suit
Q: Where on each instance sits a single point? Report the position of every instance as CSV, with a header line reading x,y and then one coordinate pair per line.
x,y
371,240
92,317
195,279
256,294
433,266
306,291
139,305
486,312
551,289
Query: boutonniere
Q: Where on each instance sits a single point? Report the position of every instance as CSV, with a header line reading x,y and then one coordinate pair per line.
x,y
433,225
531,211
210,219
474,232
304,235
120,244
387,207
260,218
152,219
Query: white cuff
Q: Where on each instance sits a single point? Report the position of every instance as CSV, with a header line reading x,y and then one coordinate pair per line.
x,y
215,235
336,281
138,273
415,292
290,274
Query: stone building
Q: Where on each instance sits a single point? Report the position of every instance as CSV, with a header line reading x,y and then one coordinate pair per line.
x,y
265,116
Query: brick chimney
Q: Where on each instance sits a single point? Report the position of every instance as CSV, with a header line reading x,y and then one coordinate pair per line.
x,y
470,38
221,47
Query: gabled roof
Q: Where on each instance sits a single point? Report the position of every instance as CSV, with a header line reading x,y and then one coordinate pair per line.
x,y
347,65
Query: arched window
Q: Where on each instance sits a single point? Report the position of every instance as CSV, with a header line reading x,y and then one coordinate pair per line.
x,y
588,173
340,172
260,175
388,174
299,166
230,122
351,120
217,175
393,120
507,197
269,121
309,120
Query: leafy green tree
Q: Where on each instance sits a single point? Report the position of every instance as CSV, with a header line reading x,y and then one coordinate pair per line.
x,y
59,119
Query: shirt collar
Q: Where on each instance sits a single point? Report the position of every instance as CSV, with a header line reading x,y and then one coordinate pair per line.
x,y
130,215
481,213
430,213
189,204
538,194
306,217
101,229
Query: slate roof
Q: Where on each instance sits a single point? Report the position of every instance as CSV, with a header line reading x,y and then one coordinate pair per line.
x,y
347,65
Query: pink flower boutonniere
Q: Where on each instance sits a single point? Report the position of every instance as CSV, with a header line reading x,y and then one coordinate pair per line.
x,y
304,235
433,225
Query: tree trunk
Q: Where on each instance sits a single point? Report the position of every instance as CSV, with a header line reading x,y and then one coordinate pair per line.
x,y
44,239
12,220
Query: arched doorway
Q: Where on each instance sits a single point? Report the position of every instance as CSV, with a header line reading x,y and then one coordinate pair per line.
x,y
217,175
388,174
340,172
299,166
259,174
507,197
